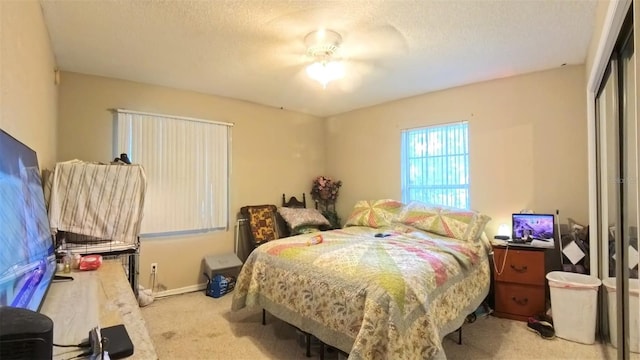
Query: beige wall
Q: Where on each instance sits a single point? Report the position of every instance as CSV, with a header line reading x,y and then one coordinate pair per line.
x,y
600,16
527,144
28,95
273,152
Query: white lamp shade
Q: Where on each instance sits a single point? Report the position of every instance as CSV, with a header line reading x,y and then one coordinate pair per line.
x,y
325,71
504,230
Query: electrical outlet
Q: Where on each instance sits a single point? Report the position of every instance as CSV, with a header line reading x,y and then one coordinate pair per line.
x,y
154,268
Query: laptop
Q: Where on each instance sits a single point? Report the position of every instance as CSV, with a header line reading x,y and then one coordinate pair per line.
x,y
529,227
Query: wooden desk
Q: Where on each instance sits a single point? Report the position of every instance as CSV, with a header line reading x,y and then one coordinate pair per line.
x,y
96,298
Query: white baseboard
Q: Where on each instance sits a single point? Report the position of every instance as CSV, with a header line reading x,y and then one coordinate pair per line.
x,y
182,290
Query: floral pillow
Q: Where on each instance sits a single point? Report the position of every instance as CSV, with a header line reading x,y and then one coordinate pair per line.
x,y
466,225
374,213
301,219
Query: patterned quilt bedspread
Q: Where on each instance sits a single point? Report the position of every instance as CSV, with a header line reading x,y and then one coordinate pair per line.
x,y
392,297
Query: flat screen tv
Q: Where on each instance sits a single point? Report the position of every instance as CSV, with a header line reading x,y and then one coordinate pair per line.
x,y
27,257
532,226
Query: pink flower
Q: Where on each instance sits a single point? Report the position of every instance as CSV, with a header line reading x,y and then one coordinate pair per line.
x,y
325,189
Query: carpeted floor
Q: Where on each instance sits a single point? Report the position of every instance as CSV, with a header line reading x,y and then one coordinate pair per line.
x,y
194,326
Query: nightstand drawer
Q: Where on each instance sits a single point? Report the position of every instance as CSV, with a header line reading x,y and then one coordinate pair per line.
x,y
520,300
520,266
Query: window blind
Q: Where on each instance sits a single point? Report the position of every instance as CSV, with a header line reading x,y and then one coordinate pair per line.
x,y
435,165
186,162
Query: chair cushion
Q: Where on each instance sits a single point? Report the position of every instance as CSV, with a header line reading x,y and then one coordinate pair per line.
x,y
261,222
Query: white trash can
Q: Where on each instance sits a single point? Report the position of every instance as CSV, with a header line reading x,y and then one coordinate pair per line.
x,y
574,301
634,291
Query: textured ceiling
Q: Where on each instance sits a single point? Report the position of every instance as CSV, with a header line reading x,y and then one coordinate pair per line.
x,y
254,50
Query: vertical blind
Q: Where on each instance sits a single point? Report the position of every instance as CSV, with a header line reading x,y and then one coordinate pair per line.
x,y
186,162
435,165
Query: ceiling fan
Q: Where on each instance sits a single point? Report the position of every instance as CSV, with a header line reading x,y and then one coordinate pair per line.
x,y
331,45
322,46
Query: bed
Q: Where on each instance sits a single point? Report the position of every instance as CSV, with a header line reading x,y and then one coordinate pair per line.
x,y
390,284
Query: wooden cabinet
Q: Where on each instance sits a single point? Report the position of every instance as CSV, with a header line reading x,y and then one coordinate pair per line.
x,y
519,282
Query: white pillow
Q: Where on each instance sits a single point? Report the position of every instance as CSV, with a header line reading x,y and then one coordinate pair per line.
x,y
301,217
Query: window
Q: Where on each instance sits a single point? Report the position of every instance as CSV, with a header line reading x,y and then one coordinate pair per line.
x,y
186,162
435,165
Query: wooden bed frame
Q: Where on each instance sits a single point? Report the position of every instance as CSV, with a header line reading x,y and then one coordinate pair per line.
x,y
294,202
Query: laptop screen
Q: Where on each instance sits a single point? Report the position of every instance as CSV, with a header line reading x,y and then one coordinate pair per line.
x,y
532,226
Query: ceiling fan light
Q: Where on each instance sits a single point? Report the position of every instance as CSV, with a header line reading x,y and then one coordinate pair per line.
x,y
325,71
322,43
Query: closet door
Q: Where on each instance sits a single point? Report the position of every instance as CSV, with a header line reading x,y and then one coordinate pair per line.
x,y
618,205
609,170
627,273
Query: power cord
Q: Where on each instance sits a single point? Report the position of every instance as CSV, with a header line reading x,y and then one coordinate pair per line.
x,y
504,261
153,283
83,344
82,355
86,343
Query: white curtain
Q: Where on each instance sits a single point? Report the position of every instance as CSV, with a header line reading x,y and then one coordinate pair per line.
x,y
187,166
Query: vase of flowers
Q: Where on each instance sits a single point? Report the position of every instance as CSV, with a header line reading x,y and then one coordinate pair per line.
x,y
325,193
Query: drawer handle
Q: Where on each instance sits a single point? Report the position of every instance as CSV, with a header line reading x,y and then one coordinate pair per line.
x,y
519,269
520,302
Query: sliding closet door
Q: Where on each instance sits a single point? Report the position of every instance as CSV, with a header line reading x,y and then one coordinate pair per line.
x,y
627,275
609,200
609,171
618,205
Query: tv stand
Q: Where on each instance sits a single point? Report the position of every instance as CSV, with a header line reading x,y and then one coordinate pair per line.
x,y
101,298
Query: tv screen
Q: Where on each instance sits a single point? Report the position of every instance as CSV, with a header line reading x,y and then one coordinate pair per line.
x,y
532,226
27,257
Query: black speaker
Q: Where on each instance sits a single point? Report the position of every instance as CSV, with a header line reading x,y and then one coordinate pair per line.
x,y
25,334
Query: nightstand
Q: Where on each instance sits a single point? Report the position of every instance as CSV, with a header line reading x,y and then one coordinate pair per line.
x,y
519,281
